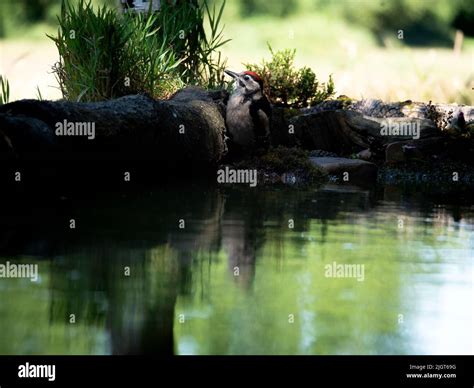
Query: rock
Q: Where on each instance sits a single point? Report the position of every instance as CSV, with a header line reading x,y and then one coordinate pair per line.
x,y
353,171
187,129
364,155
378,108
282,131
439,114
345,132
394,152
321,153
194,93
328,131
402,151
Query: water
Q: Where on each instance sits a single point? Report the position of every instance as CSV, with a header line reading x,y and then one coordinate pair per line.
x,y
248,273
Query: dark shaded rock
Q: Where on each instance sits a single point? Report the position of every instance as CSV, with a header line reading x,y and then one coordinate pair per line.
x,y
34,134
402,151
377,128
394,153
193,93
281,132
461,149
353,171
188,128
321,153
327,131
345,132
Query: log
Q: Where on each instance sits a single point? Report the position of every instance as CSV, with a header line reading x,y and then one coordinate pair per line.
x,y
344,127
441,114
345,132
188,128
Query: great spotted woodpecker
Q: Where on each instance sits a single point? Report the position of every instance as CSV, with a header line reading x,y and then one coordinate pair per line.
x,y
248,113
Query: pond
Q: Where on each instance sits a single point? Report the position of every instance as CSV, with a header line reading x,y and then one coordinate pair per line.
x,y
213,270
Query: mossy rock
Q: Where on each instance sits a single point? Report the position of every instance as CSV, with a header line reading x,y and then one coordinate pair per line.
x,y
288,165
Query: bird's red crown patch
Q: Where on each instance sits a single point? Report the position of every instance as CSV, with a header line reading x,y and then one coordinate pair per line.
x,y
254,75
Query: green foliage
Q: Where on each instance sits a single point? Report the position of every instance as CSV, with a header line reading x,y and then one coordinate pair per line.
x,y
181,25
104,55
290,87
16,13
422,22
279,8
4,91
464,17
39,95
18,17
35,10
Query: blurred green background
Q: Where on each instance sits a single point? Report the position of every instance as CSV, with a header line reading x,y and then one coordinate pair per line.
x,y
358,41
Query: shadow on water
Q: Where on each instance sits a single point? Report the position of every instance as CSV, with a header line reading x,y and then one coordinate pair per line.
x,y
138,264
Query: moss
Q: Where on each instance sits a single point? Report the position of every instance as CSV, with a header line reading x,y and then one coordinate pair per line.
x,y
470,129
346,101
289,113
285,162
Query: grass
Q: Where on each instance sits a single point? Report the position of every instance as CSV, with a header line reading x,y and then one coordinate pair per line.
x,y
91,45
182,27
104,54
4,91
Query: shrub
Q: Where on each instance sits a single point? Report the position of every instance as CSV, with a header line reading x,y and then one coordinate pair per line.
x,y
290,87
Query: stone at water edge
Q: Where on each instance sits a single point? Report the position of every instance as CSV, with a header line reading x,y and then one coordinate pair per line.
x,y
401,151
358,171
365,154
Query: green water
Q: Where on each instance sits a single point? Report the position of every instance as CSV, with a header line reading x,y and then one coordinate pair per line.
x,y
246,275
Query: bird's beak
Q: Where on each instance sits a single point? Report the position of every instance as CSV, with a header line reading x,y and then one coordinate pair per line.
x,y
233,74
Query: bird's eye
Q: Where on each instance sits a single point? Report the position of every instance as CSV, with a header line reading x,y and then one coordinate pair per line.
x,y
246,78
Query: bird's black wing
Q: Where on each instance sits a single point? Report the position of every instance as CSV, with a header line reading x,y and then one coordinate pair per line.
x,y
261,113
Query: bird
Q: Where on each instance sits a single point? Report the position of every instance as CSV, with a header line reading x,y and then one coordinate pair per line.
x,y
248,113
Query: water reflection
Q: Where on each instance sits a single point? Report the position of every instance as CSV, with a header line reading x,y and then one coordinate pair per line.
x,y
230,271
